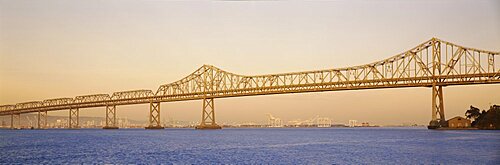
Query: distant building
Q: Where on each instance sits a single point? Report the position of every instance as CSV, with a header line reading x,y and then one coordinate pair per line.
x,y
353,123
458,122
324,122
365,124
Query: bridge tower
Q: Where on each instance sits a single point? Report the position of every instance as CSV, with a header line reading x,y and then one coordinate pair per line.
x,y
208,115
74,118
42,119
154,116
15,121
110,117
209,79
437,91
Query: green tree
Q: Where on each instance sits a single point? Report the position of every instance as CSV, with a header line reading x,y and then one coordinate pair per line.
x,y
484,119
489,119
473,113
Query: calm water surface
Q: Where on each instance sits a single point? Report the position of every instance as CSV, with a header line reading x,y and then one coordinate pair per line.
x,y
251,146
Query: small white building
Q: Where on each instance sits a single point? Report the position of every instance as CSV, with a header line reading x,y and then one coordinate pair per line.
x,y
353,123
324,122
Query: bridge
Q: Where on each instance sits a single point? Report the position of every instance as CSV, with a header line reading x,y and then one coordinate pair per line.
x,y
434,63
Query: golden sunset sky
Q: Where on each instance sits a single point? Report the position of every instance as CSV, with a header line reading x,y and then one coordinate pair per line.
x,y
58,48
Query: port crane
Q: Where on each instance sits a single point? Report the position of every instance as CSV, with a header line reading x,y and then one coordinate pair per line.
x,y
274,122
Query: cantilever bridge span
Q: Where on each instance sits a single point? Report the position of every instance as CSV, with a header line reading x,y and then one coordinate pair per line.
x,y
434,63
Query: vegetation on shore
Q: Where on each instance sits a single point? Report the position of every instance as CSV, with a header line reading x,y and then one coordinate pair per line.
x,y
485,119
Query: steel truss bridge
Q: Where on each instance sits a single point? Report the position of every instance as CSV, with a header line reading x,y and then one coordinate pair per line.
x,y
434,64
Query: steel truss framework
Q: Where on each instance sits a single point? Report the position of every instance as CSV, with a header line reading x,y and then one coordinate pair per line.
x,y
74,118
208,115
42,119
154,116
111,117
434,63
15,121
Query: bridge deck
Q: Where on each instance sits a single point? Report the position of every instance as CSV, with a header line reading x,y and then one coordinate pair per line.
x,y
432,63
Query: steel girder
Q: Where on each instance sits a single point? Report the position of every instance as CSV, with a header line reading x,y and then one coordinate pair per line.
x,y
431,63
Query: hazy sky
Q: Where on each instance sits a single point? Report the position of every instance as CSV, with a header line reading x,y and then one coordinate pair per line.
x,y
51,49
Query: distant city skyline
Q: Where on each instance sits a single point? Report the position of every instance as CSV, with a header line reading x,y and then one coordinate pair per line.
x,y
99,122
51,49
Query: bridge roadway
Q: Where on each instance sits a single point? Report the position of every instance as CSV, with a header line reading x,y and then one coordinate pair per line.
x,y
434,63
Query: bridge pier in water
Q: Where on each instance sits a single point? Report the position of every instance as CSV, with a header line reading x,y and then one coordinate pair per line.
x,y
111,117
437,108
74,118
208,115
15,121
154,116
42,119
